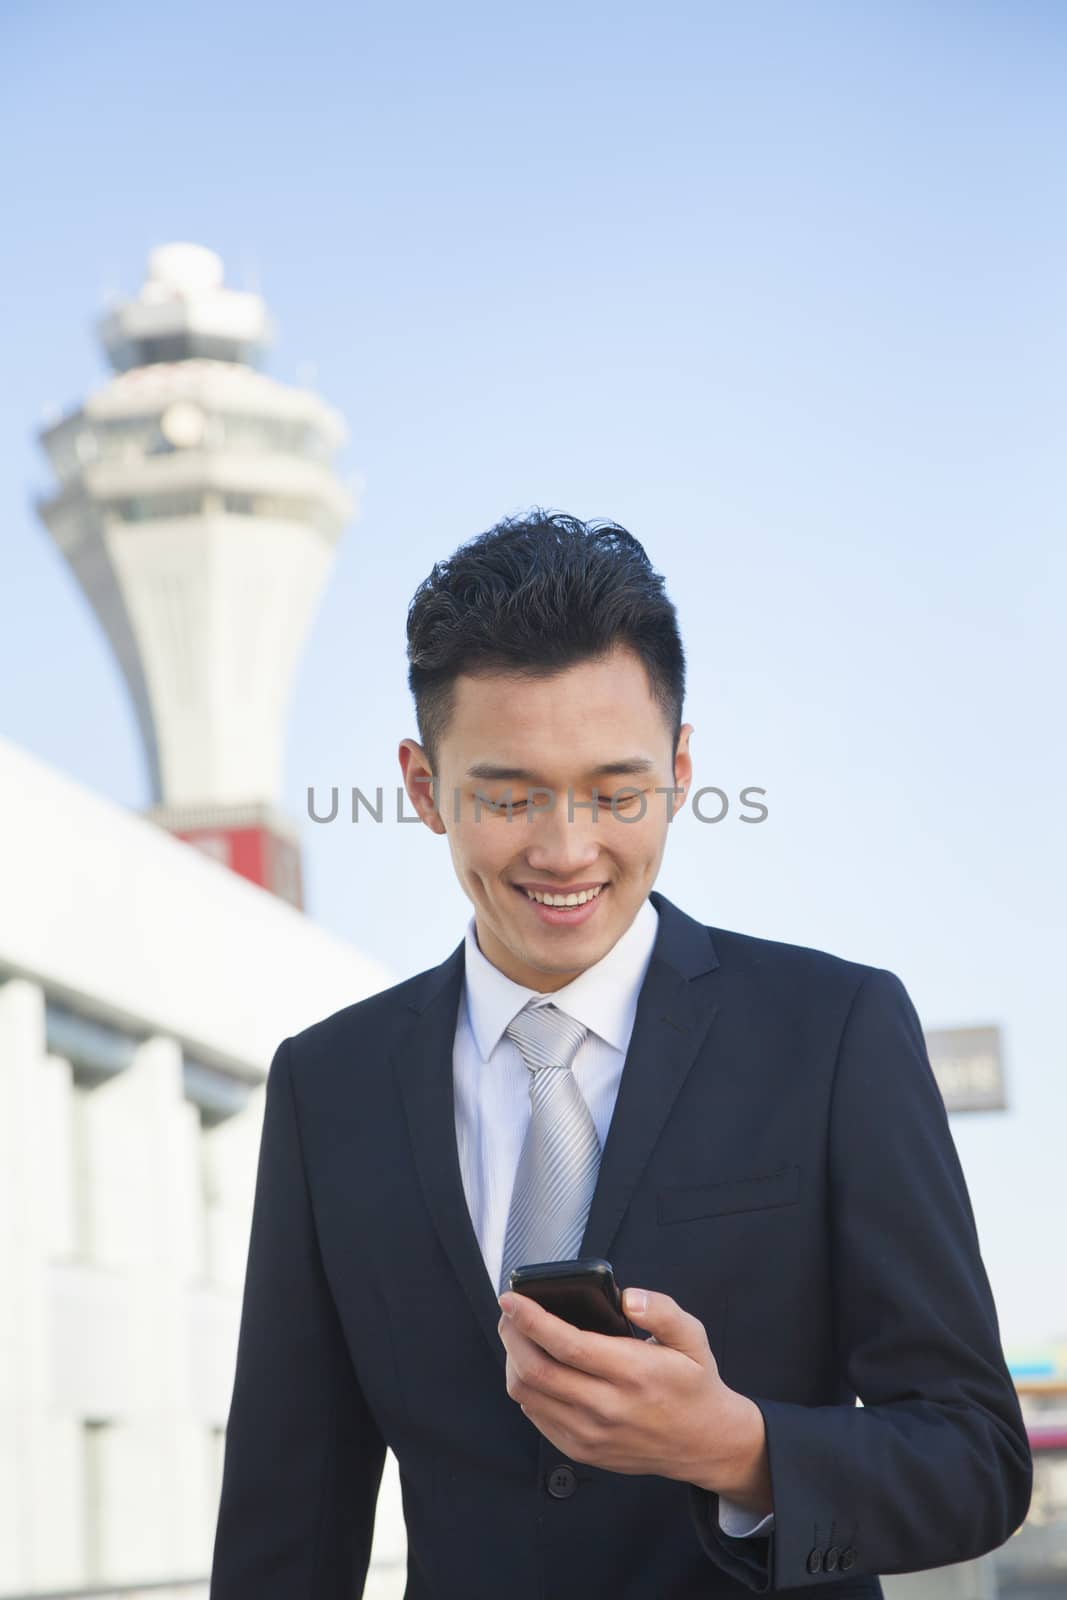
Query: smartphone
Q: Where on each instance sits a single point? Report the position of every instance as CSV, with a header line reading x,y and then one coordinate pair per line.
x,y
582,1292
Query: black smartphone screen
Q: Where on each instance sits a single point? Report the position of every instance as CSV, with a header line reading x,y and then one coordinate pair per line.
x,y
582,1292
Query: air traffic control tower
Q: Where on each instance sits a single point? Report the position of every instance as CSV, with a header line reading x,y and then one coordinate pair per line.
x,y
199,511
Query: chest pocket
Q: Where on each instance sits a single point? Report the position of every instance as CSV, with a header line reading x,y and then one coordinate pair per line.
x,y
757,1192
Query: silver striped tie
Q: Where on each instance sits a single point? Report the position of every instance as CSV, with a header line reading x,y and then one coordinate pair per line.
x,y
560,1158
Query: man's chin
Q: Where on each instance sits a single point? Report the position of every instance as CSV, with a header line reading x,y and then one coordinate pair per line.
x,y
552,947
558,950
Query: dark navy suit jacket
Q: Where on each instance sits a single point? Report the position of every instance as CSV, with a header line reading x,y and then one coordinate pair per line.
x,y
779,1161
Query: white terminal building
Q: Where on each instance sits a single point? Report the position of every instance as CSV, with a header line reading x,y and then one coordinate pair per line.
x,y
143,985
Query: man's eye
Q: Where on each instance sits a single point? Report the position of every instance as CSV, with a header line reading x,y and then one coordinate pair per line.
x,y
499,804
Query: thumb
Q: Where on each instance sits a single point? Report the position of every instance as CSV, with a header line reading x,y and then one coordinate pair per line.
x,y
667,1322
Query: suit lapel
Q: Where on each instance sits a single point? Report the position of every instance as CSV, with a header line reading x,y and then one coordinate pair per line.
x,y
674,1014
423,1065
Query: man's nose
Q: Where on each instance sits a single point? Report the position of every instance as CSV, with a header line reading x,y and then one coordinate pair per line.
x,y
565,838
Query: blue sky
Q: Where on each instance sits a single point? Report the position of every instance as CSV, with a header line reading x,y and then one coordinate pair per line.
x,y
781,287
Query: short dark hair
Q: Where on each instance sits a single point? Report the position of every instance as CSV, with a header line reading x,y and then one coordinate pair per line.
x,y
530,597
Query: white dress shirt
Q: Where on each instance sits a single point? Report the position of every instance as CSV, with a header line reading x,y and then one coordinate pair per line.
x,y
492,1096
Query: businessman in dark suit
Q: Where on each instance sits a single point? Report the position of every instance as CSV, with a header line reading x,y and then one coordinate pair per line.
x,y
748,1130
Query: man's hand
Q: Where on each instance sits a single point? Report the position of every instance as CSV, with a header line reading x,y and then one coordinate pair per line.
x,y
637,1405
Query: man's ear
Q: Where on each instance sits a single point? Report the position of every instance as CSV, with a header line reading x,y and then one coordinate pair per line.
x,y
683,766
419,783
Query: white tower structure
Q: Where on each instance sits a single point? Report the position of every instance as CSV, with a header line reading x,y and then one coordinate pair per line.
x,y
199,511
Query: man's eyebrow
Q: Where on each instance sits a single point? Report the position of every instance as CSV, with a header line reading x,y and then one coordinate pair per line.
x,y
628,766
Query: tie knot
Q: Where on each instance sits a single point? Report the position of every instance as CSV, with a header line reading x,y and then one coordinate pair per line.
x,y
545,1035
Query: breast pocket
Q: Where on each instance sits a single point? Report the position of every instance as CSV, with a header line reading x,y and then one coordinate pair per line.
x,y
756,1191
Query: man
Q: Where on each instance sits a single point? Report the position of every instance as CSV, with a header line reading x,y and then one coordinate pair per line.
x,y
748,1131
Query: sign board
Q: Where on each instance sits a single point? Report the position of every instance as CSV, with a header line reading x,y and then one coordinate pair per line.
x,y
968,1066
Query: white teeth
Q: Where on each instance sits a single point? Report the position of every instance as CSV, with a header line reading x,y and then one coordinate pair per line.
x,y
564,899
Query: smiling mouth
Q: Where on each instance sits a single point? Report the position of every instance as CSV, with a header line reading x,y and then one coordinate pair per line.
x,y
562,899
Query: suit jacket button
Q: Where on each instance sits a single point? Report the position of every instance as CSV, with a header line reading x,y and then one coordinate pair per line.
x,y
815,1560
848,1559
833,1556
562,1481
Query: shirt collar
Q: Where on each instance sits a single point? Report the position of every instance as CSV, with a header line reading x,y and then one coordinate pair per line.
x,y
603,997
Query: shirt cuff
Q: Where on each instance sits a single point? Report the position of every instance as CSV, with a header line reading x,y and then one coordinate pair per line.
x,y
738,1523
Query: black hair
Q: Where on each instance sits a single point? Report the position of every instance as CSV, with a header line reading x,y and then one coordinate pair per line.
x,y
530,597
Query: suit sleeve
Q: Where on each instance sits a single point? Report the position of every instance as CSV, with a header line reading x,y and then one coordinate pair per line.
x,y
303,1458
934,1467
